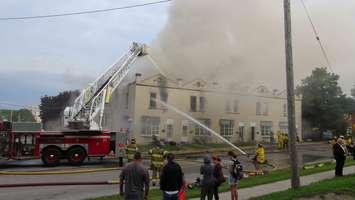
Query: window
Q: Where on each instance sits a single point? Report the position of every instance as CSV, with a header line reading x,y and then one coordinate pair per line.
x,y
283,126
265,127
266,109
258,108
193,104
185,127
163,95
202,104
228,106
152,102
262,108
284,110
150,125
226,127
169,131
236,106
232,108
241,133
127,99
199,131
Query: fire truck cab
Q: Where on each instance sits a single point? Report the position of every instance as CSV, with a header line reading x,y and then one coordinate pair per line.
x,y
53,146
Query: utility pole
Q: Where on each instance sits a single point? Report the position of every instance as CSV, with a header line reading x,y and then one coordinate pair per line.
x,y
295,178
11,116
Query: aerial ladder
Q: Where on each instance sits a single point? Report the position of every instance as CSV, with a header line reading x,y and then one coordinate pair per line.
x,y
85,137
88,108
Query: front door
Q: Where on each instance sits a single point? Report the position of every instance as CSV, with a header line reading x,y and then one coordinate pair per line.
x,y
169,132
252,134
241,133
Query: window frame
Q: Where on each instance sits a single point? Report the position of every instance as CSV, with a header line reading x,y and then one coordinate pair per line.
x,y
150,125
226,130
153,104
193,103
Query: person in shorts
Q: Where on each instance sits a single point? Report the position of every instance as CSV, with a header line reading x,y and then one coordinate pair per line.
x,y
233,182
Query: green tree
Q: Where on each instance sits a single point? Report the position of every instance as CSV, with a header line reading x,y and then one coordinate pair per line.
x,y
21,115
323,104
353,91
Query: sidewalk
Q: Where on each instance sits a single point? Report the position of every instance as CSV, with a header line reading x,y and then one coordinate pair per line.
x,y
260,190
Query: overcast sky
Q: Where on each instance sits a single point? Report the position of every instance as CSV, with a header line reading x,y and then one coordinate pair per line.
x,y
46,56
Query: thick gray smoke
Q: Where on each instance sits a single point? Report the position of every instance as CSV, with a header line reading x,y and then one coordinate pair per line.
x,y
242,41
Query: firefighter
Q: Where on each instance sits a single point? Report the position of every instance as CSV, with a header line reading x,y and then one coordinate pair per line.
x,y
285,141
131,149
157,160
348,143
279,140
259,157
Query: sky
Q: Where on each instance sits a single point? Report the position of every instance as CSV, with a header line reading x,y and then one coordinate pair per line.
x,y
46,56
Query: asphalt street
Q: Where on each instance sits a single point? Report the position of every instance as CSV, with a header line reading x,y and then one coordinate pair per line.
x,y
307,153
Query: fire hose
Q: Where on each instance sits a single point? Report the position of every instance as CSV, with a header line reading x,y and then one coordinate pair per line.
x,y
58,172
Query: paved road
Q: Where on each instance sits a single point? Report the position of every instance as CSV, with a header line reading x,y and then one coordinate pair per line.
x,y
191,168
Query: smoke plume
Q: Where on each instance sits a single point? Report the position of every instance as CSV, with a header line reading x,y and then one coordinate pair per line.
x,y
242,41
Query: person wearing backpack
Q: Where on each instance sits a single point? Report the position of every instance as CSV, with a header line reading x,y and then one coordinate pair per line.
x,y
235,170
218,175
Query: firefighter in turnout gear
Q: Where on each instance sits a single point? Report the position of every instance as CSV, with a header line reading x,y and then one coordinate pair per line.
x,y
157,157
285,141
279,140
348,143
259,156
131,149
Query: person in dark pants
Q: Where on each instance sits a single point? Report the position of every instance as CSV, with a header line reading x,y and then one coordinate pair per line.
x,y
353,150
208,180
171,179
339,152
135,178
218,175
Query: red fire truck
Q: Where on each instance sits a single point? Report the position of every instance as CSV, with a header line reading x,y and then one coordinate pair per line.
x,y
86,137
52,147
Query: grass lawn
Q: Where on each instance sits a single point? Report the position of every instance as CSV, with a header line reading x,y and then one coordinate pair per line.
x,y
273,176
342,185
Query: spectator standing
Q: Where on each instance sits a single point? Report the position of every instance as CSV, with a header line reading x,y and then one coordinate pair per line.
x,y
171,179
208,180
218,175
232,180
135,178
339,152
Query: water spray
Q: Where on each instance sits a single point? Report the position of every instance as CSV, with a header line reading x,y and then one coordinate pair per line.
x,y
200,124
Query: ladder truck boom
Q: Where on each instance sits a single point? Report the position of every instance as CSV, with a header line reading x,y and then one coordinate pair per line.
x,y
89,106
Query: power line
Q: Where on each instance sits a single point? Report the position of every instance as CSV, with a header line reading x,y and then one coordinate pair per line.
x,y
29,107
15,105
317,36
83,12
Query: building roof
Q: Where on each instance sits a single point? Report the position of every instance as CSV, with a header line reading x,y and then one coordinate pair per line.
x,y
205,85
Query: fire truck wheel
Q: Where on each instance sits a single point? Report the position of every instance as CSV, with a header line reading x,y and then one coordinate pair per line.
x,y
76,155
51,156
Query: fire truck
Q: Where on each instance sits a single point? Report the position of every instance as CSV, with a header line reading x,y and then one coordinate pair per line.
x,y
52,146
84,136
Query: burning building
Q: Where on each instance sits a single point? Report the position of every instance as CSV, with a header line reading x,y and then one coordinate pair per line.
x,y
242,115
